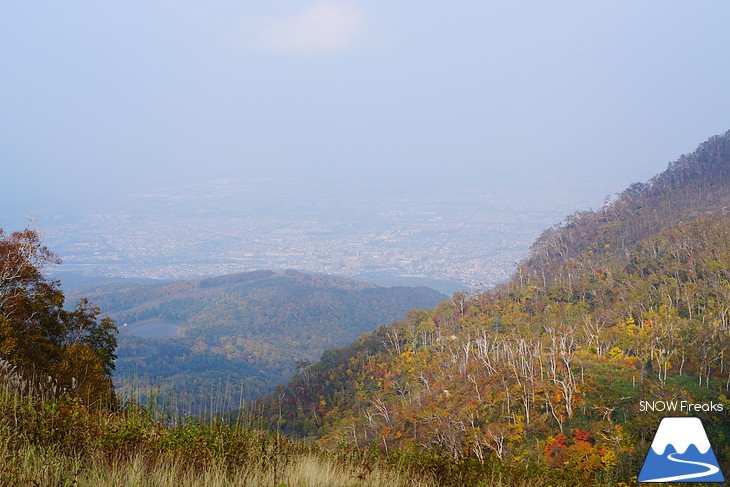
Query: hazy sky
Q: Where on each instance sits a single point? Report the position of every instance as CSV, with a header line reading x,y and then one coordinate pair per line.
x,y
101,98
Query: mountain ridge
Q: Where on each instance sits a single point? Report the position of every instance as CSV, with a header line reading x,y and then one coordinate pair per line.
x,y
694,185
611,307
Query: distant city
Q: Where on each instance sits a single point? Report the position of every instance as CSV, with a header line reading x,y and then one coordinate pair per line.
x,y
470,237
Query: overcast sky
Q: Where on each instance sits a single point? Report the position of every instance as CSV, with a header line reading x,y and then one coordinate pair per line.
x,y
98,98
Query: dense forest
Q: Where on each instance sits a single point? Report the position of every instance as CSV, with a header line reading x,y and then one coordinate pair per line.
x,y
241,334
626,304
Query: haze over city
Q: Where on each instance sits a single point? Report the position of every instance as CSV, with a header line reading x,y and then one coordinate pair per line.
x,y
174,138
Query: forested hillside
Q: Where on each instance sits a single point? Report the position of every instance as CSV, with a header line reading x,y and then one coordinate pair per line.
x,y
695,185
241,334
626,304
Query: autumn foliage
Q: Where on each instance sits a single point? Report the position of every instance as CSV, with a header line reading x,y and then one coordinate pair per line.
x,y
42,338
628,303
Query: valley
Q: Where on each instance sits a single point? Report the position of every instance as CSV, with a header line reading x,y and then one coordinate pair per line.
x,y
238,336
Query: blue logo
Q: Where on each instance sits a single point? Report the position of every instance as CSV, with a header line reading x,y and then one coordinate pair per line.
x,y
680,452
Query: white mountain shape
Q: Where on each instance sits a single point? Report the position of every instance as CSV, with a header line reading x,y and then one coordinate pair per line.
x,y
680,433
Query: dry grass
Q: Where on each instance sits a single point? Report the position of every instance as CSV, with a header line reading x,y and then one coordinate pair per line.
x,y
48,467
52,439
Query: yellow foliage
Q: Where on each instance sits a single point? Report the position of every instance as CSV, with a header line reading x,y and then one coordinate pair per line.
x,y
608,459
616,353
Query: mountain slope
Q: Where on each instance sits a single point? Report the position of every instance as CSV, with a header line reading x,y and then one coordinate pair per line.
x,y
696,184
626,304
241,334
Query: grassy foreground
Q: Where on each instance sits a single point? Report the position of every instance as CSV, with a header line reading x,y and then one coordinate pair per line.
x,y
52,439
49,441
47,466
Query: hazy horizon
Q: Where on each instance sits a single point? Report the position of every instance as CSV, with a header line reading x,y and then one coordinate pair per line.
x,y
345,103
99,98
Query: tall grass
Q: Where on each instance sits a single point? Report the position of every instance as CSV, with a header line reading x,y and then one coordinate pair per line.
x,y
51,438
48,466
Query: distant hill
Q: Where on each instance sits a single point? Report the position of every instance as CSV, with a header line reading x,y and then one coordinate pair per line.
x,y
627,304
73,281
242,334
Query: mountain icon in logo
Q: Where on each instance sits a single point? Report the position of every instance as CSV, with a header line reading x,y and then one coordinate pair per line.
x,y
680,452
